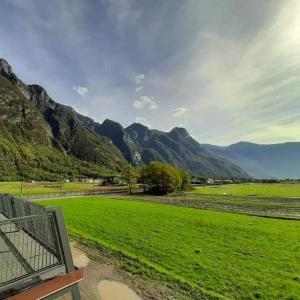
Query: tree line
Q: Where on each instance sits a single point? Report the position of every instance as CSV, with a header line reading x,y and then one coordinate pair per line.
x,y
157,178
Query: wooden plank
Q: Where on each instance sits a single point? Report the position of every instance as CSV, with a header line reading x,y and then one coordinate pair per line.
x,y
50,287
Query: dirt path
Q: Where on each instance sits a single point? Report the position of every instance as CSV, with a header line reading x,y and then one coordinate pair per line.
x,y
104,280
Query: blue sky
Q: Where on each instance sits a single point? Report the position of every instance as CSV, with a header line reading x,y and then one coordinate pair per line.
x,y
226,70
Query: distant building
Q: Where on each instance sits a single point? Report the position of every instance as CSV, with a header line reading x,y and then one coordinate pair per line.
x,y
196,181
87,180
223,181
210,181
114,180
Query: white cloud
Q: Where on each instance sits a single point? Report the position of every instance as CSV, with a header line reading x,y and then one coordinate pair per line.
x,y
139,78
139,88
145,102
138,104
80,90
179,112
143,121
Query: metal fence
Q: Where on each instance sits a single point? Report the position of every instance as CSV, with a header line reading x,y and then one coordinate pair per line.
x,y
13,207
33,244
29,246
77,193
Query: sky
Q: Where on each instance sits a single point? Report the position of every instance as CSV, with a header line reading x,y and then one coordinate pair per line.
x,y
226,70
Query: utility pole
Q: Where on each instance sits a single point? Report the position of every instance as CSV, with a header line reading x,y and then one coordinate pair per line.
x,y
21,172
60,183
21,188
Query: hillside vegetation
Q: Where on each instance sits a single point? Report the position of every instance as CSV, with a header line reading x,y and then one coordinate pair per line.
x,y
20,160
40,139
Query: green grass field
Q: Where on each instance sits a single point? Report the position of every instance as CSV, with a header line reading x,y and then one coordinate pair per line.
x,y
46,187
253,189
215,253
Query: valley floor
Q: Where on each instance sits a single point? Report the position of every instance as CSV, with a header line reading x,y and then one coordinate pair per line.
x,y
203,253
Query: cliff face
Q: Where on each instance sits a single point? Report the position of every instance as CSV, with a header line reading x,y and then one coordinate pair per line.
x,y
29,116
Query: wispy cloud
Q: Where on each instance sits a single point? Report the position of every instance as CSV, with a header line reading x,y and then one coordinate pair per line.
x,y
80,90
251,85
139,88
146,102
179,112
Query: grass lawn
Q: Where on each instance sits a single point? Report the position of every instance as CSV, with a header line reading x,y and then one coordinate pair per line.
x,y
46,187
253,189
215,253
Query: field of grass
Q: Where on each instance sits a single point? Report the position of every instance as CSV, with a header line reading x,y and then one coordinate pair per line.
x,y
253,189
213,253
275,207
46,187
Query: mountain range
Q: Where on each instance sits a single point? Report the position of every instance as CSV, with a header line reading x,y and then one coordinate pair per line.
x,y
43,139
279,161
139,144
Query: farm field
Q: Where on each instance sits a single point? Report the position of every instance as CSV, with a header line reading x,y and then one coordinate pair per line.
x,y
253,189
275,207
46,187
213,254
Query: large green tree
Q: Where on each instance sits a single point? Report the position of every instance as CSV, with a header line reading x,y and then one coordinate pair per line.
x,y
161,178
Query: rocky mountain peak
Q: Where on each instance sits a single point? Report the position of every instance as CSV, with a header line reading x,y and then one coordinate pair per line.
x,y
179,131
107,123
138,132
40,97
5,68
137,127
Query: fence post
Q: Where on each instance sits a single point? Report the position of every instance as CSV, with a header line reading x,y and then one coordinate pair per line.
x,y
65,245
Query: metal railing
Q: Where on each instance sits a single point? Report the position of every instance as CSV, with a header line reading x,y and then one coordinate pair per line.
x,y
29,246
13,207
33,244
36,196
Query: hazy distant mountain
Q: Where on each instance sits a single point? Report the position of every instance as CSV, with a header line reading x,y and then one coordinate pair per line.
x,y
263,161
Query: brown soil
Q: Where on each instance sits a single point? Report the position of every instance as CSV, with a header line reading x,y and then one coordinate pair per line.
x,y
101,273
